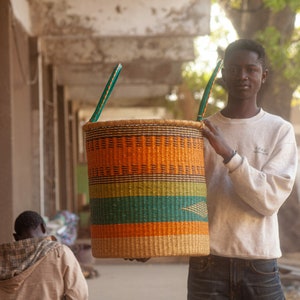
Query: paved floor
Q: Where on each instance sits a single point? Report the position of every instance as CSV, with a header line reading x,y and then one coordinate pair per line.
x,y
126,280
157,279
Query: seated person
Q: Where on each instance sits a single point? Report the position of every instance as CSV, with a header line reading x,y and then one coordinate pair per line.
x,y
36,266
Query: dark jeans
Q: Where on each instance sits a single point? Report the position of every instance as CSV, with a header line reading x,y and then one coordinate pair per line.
x,y
220,278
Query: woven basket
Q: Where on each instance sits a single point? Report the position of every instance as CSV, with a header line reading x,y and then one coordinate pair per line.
x,y
147,188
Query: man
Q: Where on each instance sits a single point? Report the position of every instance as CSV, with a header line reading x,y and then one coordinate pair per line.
x,y
251,162
37,267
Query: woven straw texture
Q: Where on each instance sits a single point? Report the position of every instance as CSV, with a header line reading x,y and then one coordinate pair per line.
x,y
147,188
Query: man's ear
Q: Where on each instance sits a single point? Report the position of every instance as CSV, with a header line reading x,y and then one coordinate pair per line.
x,y
264,75
16,237
223,74
43,228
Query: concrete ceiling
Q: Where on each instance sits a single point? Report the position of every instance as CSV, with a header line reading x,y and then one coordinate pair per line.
x,y
85,39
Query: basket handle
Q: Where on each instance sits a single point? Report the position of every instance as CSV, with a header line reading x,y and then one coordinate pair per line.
x,y
207,91
114,77
106,92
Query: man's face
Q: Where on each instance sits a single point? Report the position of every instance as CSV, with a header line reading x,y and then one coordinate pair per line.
x,y
243,74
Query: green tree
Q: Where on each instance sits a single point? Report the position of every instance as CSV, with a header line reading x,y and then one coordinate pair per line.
x,y
271,22
196,74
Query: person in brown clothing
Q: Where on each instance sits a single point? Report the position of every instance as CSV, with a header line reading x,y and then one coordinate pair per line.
x,y
36,266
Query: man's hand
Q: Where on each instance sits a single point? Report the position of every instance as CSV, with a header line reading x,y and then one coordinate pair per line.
x,y
138,259
215,138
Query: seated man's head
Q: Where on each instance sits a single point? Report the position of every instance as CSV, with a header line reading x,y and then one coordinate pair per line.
x,y
29,224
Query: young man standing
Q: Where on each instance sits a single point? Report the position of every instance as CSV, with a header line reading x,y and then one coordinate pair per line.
x,y
251,162
38,267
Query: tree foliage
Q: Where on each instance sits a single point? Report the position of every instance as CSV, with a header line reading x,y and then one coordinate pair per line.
x,y
271,22
277,5
196,74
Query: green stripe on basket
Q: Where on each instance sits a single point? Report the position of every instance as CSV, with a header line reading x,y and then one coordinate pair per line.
x,y
147,189
148,209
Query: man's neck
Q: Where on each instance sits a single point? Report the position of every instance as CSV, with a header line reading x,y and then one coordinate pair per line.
x,y
241,110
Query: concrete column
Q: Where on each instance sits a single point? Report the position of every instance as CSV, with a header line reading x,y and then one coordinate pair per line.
x,y
17,82
6,176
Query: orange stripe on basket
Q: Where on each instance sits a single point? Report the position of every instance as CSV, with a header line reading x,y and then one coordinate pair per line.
x,y
144,155
149,229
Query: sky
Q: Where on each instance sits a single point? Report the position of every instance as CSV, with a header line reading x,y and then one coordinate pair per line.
x,y
208,55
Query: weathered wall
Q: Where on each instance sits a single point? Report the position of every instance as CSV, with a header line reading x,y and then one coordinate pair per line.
x,y
80,42
6,175
92,36
16,160
22,138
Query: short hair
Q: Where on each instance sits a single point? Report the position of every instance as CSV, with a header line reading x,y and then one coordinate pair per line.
x,y
246,44
27,220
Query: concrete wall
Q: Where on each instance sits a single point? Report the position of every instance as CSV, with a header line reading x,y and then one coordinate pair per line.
x,y
151,39
16,153
6,189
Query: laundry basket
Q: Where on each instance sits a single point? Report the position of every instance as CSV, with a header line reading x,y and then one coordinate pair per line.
x,y
147,188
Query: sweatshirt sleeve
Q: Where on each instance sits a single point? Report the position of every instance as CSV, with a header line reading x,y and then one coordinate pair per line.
x,y
75,284
265,190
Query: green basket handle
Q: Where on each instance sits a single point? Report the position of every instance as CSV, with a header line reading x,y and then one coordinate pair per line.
x,y
106,92
207,91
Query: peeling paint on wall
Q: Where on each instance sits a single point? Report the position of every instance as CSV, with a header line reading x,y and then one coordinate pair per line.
x,y
115,18
135,33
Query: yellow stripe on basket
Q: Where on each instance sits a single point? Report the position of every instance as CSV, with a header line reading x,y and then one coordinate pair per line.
x,y
140,247
149,229
132,189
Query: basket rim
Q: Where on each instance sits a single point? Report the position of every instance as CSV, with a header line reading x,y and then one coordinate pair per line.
x,y
149,122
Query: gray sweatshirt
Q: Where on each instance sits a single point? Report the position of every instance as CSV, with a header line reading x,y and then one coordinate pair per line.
x,y
244,195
